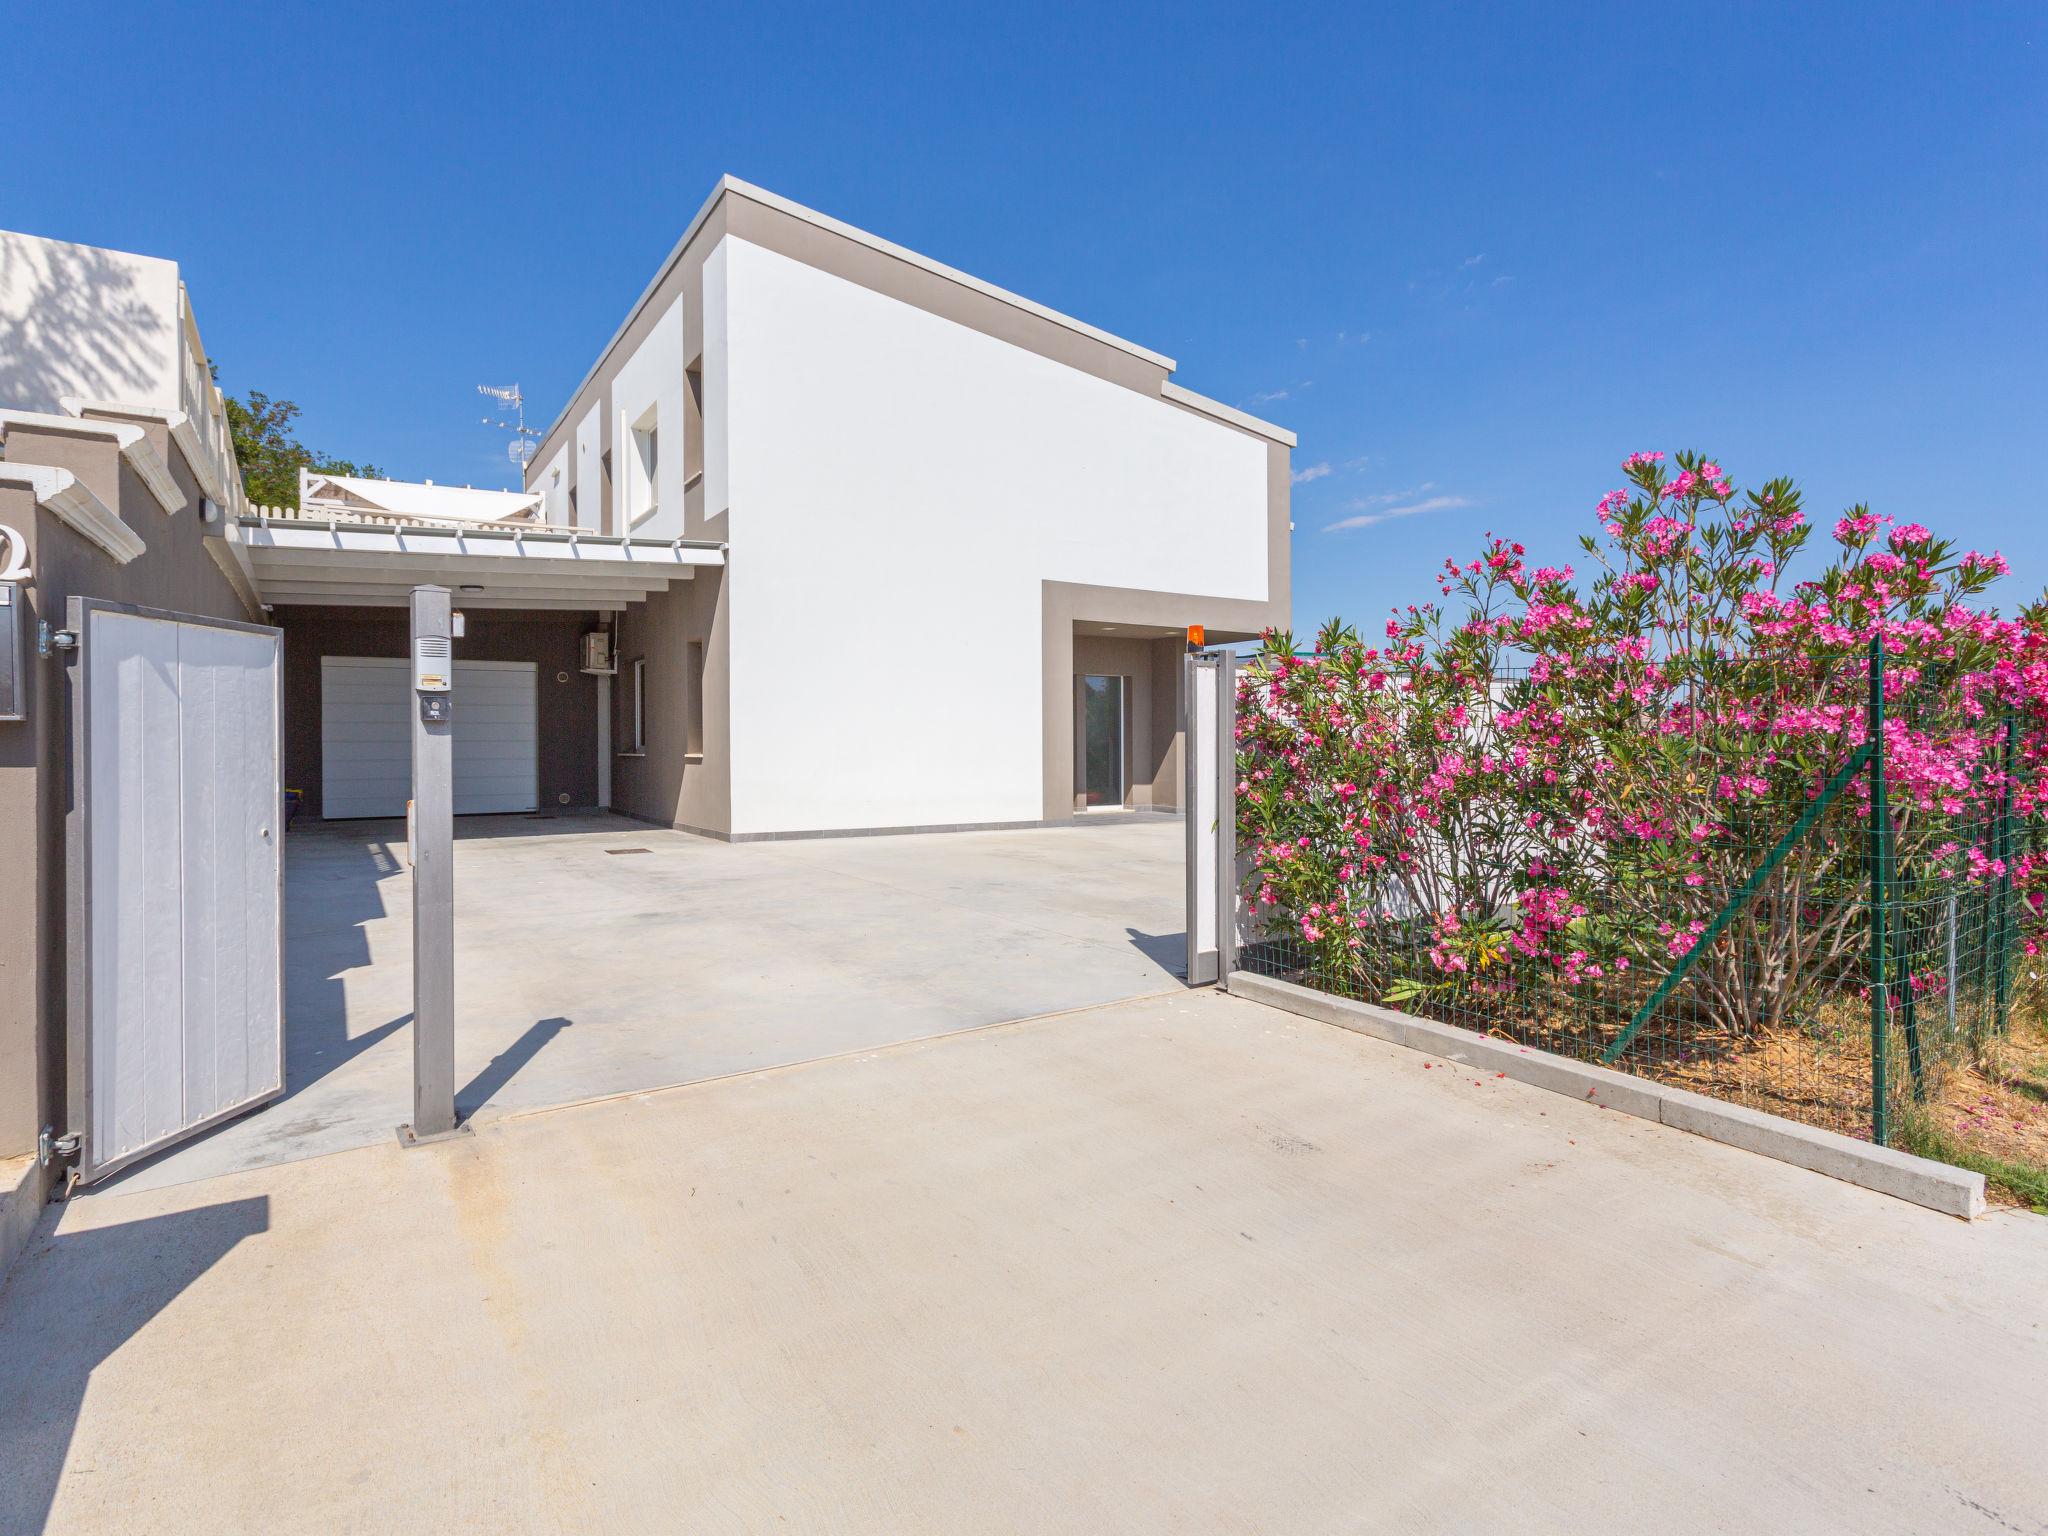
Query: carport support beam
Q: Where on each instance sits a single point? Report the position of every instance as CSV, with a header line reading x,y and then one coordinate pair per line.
x,y
433,870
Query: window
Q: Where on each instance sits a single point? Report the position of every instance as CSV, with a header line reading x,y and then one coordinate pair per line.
x,y
693,706
646,457
693,423
637,735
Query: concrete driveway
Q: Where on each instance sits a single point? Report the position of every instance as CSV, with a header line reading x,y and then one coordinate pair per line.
x,y
597,955
1184,1264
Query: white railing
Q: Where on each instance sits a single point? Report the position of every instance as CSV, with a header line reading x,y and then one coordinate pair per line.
x,y
205,406
323,512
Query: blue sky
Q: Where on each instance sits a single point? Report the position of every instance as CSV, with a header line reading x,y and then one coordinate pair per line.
x,y
1472,255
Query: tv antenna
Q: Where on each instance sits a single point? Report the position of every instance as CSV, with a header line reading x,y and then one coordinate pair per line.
x,y
521,449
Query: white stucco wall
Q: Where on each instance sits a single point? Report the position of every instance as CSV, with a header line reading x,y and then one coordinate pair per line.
x,y
651,378
80,320
553,483
717,371
900,485
589,472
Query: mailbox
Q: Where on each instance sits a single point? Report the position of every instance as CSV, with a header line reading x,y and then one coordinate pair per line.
x,y
13,642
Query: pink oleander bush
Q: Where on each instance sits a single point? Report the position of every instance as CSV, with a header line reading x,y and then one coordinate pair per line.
x,y
1535,792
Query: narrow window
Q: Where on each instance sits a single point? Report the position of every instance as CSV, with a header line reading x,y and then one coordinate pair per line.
x,y
639,734
693,706
646,459
693,423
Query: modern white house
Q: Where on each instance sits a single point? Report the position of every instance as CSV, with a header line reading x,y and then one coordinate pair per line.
x,y
964,537
831,538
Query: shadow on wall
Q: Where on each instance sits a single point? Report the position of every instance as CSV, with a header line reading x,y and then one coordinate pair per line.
x,y
71,1302
74,321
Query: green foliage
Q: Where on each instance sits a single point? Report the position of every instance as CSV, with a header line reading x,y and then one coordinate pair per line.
x,y
1534,801
271,456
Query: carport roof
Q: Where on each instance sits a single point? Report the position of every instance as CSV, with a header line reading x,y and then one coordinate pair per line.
x,y
300,560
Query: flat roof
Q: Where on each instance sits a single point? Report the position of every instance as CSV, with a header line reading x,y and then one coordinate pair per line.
x,y
423,498
296,559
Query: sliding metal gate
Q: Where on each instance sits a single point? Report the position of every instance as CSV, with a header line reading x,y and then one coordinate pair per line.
x,y
175,835
1209,730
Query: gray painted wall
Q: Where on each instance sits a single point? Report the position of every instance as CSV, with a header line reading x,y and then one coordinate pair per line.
x,y
176,571
668,784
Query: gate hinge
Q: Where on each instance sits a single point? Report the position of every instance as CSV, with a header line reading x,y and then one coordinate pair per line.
x,y
49,641
50,1145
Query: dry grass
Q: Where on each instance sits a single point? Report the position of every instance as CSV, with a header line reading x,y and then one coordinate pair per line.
x,y
1993,1116
1990,1114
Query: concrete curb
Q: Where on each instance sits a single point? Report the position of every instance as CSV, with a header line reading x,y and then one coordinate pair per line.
x,y
24,1190
1952,1191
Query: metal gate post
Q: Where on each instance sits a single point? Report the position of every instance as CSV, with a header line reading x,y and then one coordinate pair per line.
x,y
1226,817
1199,782
433,870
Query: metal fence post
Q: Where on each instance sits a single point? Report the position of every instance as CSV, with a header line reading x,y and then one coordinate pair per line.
x,y
1954,916
1880,903
2002,981
433,869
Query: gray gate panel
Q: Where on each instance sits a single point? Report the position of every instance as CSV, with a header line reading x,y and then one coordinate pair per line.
x,y
175,911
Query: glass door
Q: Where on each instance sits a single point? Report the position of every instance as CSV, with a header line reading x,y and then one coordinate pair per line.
x,y
1102,740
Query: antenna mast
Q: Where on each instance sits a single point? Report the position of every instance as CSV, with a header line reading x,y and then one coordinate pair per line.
x,y
521,449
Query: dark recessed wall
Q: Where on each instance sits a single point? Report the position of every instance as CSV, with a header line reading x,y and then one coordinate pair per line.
x,y
567,722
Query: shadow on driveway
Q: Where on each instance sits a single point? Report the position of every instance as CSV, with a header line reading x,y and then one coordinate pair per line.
x,y
479,1090
72,1301
1168,951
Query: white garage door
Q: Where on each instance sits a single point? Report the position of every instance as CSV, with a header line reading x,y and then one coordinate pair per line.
x,y
366,710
